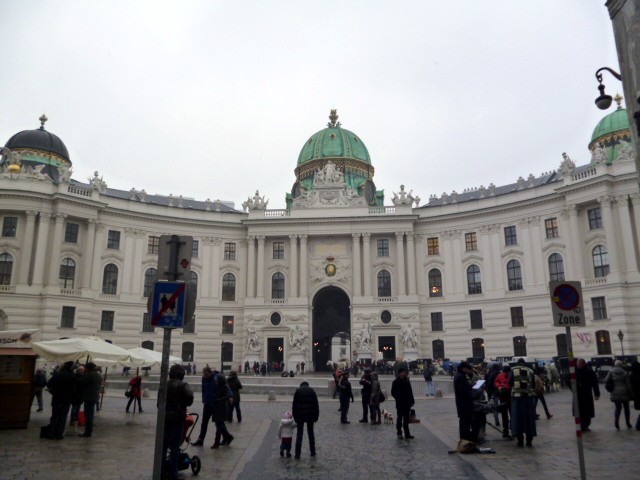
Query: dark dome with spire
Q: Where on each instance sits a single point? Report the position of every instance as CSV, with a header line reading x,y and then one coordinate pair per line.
x,y
39,140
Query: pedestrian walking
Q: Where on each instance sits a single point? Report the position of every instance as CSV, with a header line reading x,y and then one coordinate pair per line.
x,y
234,384
179,397
209,389
635,388
306,411
346,394
90,383
523,407
221,404
620,392
61,385
285,433
365,392
464,403
539,390
39,382
588,390
135,393
430,388
503,388
402,392
375,400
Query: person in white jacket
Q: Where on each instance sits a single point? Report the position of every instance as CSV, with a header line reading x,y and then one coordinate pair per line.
x,y
285,433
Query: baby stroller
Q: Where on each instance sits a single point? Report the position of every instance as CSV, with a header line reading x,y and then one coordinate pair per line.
x,y
184,460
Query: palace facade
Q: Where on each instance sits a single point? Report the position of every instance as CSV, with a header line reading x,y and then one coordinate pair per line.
x,y
343,272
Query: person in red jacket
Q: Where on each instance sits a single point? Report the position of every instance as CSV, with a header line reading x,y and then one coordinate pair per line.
x,y
503,388
135,392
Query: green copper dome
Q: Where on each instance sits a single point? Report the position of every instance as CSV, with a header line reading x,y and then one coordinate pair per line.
x,y
334,142
612,132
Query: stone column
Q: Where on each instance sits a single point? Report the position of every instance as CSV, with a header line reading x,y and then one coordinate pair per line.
x,y
215,267
96,272
251,267
260,280
577,272
400,263
129,264
612,244
411,263
624,216
293,265
525,234
140,246
304,263
635,202
536,254
41,249
449,270
457,260
56,243
355,252
27,247
366,259
87,253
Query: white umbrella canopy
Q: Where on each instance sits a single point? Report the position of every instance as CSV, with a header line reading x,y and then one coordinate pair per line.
x,y
151,357
90,348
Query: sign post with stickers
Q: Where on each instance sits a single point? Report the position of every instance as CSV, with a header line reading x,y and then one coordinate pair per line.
x,y
568,311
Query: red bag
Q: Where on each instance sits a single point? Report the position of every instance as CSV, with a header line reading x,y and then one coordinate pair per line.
x,y
82,419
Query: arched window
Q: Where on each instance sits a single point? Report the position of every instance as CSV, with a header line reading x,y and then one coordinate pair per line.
x,y
600,261
604,342
438,349
229,287
474,280
277,285
149,281
6,266
556,268
193,283
110,280
477,348
67,273
384,284
435,283
187,351
520,346
514,275
148,344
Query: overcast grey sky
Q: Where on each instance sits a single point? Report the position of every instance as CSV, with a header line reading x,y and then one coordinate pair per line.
x,y
215,99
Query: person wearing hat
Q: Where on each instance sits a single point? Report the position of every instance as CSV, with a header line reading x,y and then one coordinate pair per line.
x,y
344,387
402,392
464,402
365,382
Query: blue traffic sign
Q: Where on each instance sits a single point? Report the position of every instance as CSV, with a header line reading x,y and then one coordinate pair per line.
x,y
168,308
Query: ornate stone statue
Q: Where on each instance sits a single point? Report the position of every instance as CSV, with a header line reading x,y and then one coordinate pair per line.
x,y
363,338
255,203
254,343
598,155
296,339
11,161
567,167
626,153
329,175
410,338
64,173
97,183
403,198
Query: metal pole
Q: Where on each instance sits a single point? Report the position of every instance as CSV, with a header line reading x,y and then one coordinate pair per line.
x,y
576,408
158,458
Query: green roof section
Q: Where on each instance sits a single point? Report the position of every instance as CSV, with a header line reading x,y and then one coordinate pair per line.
x,y
614,122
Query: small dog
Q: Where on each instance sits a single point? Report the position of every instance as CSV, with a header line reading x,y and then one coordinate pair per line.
x,y
387,416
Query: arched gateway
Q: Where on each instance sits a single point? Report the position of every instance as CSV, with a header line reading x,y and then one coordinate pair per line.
x,y
331,324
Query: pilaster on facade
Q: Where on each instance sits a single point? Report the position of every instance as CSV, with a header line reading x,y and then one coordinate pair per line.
x,y
576,270
260,267
355,253
401,291
54,252
366,248
96,271
629,249
411,261
27,247
304,265
293,266
606,205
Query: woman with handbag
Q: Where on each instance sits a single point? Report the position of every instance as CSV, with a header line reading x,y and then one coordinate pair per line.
x,y
134,392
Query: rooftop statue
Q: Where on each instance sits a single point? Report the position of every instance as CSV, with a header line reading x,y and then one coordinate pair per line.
x,y
404,198
255,203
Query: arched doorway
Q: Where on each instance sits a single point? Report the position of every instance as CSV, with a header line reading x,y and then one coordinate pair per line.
x,y
331,327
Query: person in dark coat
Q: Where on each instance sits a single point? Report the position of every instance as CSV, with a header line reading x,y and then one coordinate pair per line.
x,y
492,391
39,382
635,389
365,382
464,401
76,400
90,383
430,388
61,385
179,397
344,387
523,403
234,384
221,404
621,394
588,389
209,389
402,392
306,410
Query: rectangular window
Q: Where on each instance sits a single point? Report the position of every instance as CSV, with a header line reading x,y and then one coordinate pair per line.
x,y
153,245
190,325
517,317
227,324
595,218
551,227
106,321
68,317
471,241
476,319
229,251
113,240
146,324
436,322
383,247
433,247
510,236
195,249
9,226
599,306
71,233
278,250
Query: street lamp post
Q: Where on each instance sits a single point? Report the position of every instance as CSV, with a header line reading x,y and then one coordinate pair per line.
x,y
604,101
621,337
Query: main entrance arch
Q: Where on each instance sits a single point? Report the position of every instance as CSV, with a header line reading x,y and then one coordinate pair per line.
x,y
331,325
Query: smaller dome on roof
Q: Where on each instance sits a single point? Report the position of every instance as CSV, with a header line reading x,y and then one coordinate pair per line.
x,y
612,132
39,140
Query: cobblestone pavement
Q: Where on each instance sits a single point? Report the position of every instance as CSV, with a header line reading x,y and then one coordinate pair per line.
x,y
123,446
